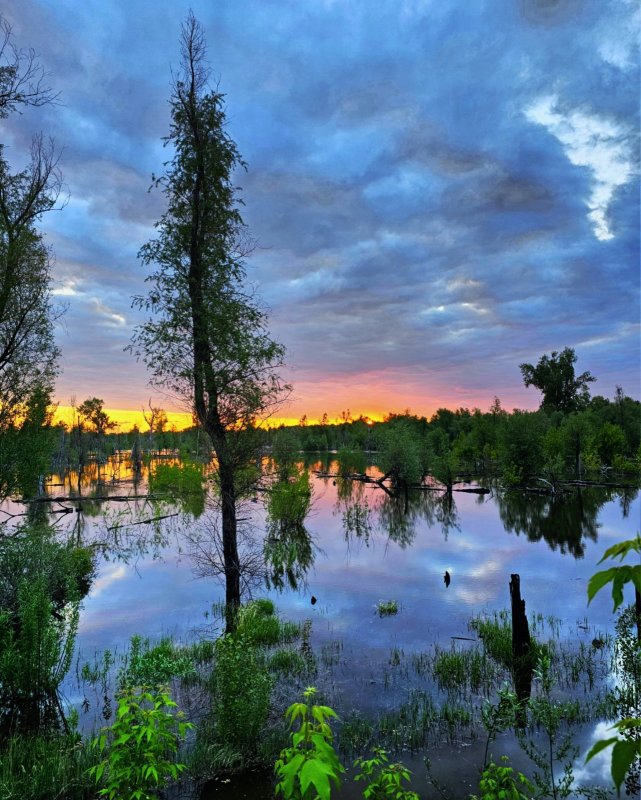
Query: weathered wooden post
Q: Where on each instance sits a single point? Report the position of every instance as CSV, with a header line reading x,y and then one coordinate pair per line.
x,y
522,666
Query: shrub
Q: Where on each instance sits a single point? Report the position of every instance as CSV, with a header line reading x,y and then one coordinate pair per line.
x,y
138,749
309,767
241,688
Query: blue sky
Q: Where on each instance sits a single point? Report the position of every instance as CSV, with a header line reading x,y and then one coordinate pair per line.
x,y
439,191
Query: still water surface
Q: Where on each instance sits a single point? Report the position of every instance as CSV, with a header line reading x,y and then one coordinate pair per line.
x,y
400,553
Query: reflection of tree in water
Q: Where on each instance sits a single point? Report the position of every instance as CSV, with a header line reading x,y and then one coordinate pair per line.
x,y
398,515
289,553
564,520
353,506
202,542
397,512
626,497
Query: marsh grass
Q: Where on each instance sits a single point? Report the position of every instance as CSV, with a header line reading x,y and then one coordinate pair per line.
x,y
464,671
387,608
331,653
36,767
409,726
287,661
356,734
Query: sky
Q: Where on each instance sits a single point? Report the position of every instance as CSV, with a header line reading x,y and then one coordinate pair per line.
x,y
438,191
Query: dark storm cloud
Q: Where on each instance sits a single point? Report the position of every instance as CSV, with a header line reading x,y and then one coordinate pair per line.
x,y
434,188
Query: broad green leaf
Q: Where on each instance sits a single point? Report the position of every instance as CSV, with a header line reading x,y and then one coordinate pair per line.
x,y
317,773
621,549
600,745
623,754
599,580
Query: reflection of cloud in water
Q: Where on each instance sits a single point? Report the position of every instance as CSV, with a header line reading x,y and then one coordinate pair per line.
x,y
489,567
102,622
106,580
598,770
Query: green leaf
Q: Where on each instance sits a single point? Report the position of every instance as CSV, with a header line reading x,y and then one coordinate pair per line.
x,y
317,773
621,549
600,745
599,580
623,754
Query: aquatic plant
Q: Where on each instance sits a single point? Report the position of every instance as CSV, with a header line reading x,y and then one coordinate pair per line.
x,y
500,781
241,688
383,780
387,608
49,765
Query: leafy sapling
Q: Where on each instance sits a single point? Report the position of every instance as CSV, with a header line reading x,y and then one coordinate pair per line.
x,y
309,768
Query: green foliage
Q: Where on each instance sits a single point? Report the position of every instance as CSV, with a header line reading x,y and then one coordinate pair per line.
x,y
286,451
609,443
617,576
501,783
554,377
138,750
42,582
309,768
383,780
93,413
496,635
456,670
288,662
44,767
351,462
258,624
157,665
520,445
289,501
400,454
241,688
626,751
387,608
289,553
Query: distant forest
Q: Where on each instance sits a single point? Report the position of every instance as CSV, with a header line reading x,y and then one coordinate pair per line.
x,y
570,436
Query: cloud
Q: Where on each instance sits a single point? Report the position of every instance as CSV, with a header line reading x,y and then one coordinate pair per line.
x,y
602,145
438,191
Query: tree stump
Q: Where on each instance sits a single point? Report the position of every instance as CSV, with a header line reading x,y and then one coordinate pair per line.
x,y
522,666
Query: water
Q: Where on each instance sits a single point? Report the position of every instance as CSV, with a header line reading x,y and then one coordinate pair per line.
x,y
393,552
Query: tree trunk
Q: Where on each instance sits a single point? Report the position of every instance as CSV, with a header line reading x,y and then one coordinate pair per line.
x,y
521,649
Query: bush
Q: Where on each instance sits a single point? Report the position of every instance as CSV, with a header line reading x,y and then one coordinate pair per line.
x,y
241,689
138,750
156,666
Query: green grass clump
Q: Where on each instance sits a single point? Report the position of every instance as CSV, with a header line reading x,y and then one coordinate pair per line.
x,y
36,767
289,632
148,665
387,608
355,735
287,662
463,670
258,624
409,726
497,638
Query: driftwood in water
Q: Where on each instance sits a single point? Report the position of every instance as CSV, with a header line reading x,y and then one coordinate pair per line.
x,y
601,484
116,498
522,666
